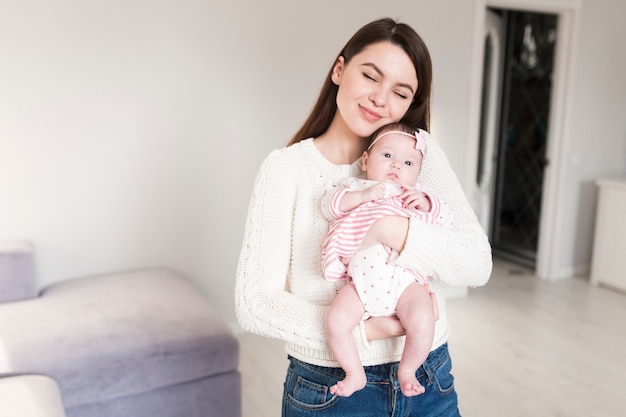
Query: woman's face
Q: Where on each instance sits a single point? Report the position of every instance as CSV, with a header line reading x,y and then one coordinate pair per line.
x,y
375,88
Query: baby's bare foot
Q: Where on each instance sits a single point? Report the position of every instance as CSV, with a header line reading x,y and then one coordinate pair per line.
x,y
409,385
351,384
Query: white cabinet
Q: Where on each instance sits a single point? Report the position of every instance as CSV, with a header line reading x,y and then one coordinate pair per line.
x,y
609,248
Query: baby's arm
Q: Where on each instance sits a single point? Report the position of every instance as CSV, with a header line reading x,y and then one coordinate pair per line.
x,y
352,199
340,200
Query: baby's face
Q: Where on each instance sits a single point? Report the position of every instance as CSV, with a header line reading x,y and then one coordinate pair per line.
x,y
393,158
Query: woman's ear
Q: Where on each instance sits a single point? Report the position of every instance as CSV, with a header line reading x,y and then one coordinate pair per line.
x,y
338,70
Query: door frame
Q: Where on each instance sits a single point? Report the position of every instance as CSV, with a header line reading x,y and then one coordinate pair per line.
x,y
554,175
485,189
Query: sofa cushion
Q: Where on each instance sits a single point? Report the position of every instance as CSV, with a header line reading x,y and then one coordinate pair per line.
x,y
114,335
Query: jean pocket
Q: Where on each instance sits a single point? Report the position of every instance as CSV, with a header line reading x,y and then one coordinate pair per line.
x,y
309,395
443,378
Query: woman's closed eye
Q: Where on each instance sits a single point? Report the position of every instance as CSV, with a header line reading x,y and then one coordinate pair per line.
x,y
404,95
401,95
370,77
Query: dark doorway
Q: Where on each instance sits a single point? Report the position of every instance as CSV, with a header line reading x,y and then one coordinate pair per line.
x,y
522,133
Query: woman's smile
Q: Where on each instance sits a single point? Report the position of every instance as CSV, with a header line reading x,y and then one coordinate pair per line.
x,y
369,114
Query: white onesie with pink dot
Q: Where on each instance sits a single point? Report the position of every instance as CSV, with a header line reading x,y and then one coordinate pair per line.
x,y
378,281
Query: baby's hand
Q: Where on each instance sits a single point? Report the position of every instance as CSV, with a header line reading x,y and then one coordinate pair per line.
x,y
415,199
375,192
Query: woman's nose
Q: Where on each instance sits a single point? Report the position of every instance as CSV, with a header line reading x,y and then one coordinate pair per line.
x,y
378,97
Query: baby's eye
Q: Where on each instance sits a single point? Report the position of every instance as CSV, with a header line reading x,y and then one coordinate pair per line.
x,y
409,163
387,155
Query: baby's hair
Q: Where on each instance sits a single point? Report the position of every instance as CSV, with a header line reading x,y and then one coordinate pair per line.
x,y
399,129
397,126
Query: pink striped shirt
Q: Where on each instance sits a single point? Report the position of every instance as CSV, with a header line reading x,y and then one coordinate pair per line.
x,y
347,229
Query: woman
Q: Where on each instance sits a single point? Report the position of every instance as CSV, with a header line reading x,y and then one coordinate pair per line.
x,y
382,75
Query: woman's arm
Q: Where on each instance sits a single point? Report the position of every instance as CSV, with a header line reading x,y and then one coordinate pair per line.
x,y
263,300
377,328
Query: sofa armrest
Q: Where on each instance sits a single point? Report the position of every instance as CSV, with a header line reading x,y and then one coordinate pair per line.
x,y
17,271
30,396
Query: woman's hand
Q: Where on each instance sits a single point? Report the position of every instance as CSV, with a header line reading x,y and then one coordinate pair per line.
x,y
377,328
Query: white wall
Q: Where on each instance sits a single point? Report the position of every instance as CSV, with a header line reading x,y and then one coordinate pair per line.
x,y
131,131
596,129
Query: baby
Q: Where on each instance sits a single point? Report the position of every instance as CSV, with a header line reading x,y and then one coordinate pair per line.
x,y
375,285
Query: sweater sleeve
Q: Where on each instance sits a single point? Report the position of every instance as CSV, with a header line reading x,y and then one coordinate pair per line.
x,y
460,254
263,302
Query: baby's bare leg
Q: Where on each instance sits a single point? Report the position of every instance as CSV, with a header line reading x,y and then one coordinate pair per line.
x,y
415,311
389,230
342,317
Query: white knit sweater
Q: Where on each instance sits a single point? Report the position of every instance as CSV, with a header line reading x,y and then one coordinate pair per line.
x,y
280,290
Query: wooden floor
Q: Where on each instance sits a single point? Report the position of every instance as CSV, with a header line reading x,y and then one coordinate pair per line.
x,y
520,347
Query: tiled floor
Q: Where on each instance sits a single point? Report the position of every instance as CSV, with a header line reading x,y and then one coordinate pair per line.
x,y
520,347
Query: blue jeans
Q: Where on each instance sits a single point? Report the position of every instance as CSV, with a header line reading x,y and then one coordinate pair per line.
x,y
306,391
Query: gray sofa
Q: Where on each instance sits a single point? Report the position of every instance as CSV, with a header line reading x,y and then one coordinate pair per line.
x,y
136,343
